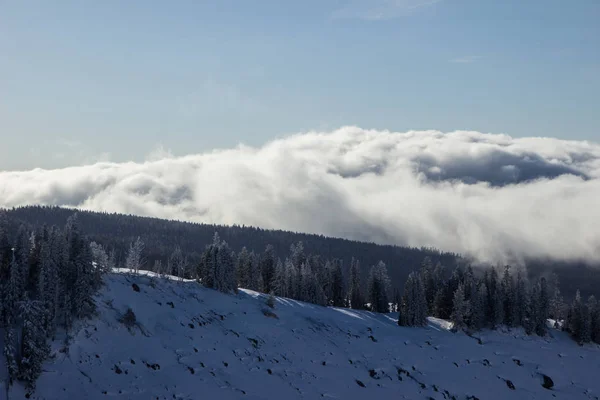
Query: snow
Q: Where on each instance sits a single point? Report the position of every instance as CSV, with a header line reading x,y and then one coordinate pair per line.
x,y
195,343
439,324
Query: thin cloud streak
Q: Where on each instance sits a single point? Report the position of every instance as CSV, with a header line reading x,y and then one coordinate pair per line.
x,y
490,196
466,59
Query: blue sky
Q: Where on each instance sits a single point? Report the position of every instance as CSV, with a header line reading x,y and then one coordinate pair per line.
x,y
82,80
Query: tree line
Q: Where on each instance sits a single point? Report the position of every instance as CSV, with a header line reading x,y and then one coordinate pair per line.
x,y
49,276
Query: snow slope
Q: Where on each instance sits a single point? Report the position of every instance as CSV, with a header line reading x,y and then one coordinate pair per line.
x,y
195,343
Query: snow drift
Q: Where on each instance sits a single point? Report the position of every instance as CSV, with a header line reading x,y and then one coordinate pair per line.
x,y
490,196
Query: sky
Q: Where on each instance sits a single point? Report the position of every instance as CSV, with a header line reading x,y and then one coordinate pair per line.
x,y
86,81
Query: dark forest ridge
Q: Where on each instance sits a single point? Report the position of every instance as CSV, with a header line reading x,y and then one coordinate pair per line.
x,y
118,231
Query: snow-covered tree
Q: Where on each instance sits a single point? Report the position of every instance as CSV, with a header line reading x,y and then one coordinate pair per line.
x,y
460,309
34,348
521,301
134,260
594,313
178,263
208,262
413,311
225,274
507,288
578,321
100,261
357,300
337,284
267,268
477,318
379,288
244,268
542,308
10,352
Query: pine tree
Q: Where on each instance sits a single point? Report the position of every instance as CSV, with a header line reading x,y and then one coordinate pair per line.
x,y
413,310
134,260
208,262
337,285
243,266
439,302
429,281
521,299
48,284
508,297
578,323
267,268
83,303
279,283
594,312
10,352
556,299
34,349
477,319
543,307
460,308
357,300
15,290
379,288
255,281
225,273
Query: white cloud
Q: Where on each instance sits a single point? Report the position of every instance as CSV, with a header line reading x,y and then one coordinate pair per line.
x,y
381,9
490,196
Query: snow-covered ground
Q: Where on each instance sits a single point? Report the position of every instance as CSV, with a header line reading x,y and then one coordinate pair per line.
x,y
195,343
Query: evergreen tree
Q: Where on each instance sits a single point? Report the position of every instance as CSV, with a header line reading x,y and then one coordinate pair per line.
x,y
10,353
577,323
495,300
521,300
208,262
543,307
508,297
34,348
429,281
477,319
48,286
594,313
439,302
379,287
413,310
225,274
460,309
134,260
267,268
244,268
15,290
337,285
279,283
557,305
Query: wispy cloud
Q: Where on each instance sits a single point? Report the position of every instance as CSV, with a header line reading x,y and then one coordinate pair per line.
x,y
374,10
466,59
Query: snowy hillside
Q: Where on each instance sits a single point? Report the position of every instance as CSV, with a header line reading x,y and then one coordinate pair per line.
x,y
189,342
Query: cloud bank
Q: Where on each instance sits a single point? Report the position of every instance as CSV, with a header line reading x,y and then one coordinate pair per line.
x,y
489,196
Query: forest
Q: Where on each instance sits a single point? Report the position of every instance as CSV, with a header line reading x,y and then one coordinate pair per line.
x,y
50,272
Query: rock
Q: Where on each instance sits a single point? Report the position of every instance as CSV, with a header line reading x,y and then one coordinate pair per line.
x,y
510,385
135,287
548,383
359,383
